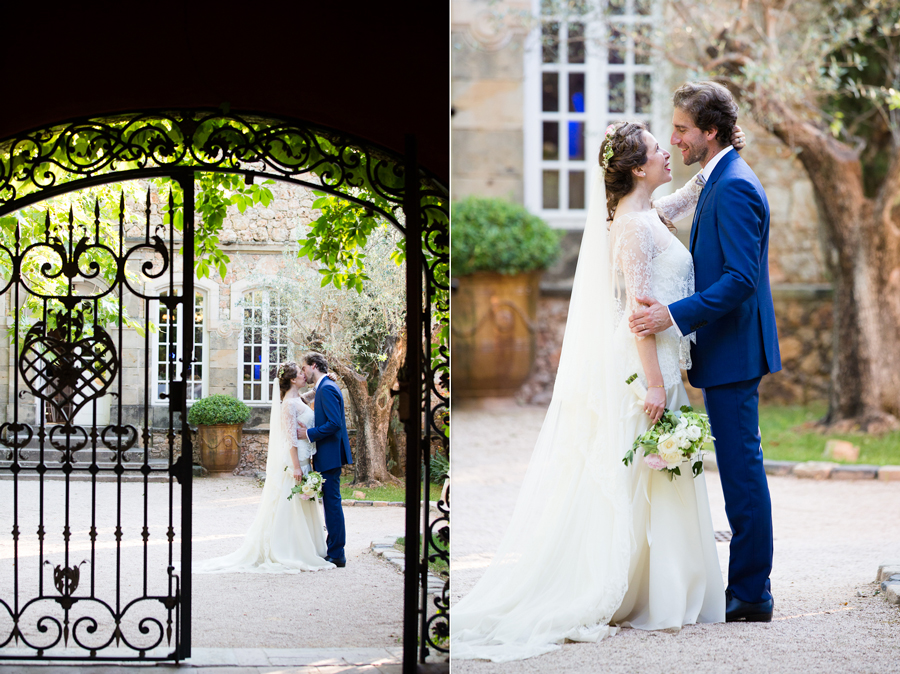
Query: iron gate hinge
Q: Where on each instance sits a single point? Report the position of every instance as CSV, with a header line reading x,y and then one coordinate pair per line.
x,y
175,395
403,393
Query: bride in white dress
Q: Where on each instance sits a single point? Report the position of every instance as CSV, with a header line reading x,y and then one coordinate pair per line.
x,y
594,545
287,536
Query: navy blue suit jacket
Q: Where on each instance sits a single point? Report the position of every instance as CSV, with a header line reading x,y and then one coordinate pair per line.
x,y
731,309
330,431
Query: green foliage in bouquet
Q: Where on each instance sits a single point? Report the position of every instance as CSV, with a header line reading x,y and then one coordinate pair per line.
x,y
310,487
500,236
218,409
676,437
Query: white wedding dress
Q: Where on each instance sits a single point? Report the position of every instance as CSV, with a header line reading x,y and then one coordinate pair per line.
x,y
593,544
287,536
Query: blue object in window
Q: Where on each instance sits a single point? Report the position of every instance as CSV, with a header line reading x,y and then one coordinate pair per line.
x,y
257,370
576,140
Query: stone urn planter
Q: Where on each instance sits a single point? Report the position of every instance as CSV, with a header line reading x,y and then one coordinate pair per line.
x,y
499,251
493,340
220,421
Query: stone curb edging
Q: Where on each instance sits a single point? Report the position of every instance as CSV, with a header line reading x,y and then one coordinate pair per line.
x,y
349,502
819,470
200,471
385,548
889,577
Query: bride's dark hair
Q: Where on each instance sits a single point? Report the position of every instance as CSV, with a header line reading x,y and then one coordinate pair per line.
x,y
287,372
629,151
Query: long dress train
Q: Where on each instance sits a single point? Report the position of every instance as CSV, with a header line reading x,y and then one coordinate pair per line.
x,y
287,536
594,544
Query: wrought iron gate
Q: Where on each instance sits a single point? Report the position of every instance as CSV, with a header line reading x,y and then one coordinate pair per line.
x,y
90,578
71,361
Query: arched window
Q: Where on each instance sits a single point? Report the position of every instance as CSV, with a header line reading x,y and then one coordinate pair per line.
x,y
265,323
169,353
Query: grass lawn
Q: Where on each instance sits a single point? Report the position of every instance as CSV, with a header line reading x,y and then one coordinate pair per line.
x,y
784,440
438,566
387,492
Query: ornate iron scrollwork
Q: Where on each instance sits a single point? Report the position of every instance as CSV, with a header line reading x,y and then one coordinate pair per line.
x,y
68,366
40,164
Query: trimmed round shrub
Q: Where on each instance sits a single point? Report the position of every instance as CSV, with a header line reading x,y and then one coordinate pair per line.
x,y
218,409
496,235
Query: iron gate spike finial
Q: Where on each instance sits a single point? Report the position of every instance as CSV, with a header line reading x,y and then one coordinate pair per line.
x,y
125,140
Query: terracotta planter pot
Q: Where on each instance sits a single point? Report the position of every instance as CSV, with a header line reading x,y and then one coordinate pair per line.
x,y
220,447
493,341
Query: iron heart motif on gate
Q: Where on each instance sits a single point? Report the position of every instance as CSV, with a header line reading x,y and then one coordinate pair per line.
x,y
68,365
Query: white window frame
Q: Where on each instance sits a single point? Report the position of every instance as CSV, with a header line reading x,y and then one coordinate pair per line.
x,y
596,116
238,291
210,293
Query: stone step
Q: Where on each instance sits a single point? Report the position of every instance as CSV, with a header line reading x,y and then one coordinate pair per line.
x,y
50,454
81,456
80,470
84,476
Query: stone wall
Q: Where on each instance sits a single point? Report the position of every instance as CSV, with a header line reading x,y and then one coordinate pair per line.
x,y
487,105
805,321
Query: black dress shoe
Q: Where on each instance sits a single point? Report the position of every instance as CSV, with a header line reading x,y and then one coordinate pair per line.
x,y
736,610
339,563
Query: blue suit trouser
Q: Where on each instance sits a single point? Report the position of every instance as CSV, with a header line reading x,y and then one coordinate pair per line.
x,y
733,411
334,513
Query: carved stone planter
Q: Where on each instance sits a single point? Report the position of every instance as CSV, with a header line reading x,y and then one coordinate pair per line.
x,y
493,339
220,447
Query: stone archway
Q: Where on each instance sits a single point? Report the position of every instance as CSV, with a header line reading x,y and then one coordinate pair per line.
x,y
95,151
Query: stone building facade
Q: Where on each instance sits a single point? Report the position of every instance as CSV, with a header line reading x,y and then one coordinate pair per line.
x,y
256,242
526,124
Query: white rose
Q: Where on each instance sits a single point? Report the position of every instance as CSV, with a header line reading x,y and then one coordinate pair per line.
x,y
681,438
669,450
694,433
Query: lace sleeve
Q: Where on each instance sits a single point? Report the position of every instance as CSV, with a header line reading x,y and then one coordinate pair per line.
x,y
676,205
289,424
634,250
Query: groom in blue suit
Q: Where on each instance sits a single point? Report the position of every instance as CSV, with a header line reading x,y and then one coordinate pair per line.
x,y
332,450
732,316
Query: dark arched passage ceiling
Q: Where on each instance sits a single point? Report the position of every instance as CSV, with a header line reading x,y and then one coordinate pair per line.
x,y
376,70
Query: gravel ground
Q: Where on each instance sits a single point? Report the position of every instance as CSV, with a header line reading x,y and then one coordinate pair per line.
x,y
357,606
830,537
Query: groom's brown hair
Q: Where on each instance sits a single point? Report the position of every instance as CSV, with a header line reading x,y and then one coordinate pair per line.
x,y
317,360
711,106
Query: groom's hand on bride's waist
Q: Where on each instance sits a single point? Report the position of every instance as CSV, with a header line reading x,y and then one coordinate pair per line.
x,y
301,432
650,319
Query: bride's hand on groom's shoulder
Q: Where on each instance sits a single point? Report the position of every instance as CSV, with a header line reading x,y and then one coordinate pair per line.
x,y
738,139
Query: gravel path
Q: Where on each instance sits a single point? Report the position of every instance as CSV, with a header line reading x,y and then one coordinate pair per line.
x,y
357,606
830,537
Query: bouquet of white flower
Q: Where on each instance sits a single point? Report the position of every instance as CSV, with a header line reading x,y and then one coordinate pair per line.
x,y
309,487
676,437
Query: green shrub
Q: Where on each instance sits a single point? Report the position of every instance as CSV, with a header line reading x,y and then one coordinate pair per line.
x,y
500,236
218,409
440,468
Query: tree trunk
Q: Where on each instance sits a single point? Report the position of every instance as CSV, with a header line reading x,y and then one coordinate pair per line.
x,y
862,242
396,444
372,416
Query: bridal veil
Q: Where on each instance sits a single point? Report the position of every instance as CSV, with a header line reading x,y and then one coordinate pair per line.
x,y
561,570
286,536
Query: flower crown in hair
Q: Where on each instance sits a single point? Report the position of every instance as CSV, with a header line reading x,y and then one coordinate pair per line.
x,y
280,371
608,152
